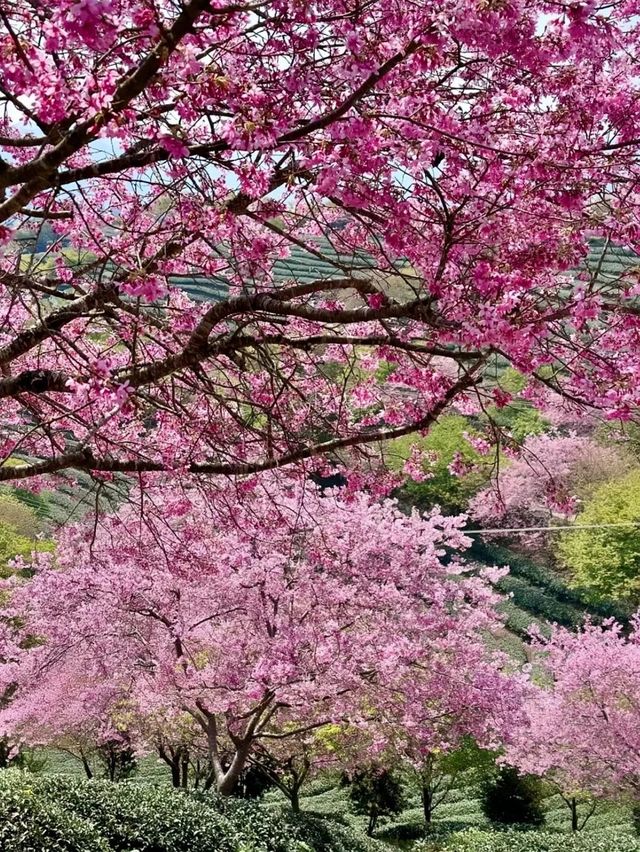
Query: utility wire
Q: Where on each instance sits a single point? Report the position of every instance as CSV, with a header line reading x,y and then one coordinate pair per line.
x,y
552,529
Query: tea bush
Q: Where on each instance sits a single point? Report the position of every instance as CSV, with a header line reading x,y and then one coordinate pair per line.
x,y
58,814
539,841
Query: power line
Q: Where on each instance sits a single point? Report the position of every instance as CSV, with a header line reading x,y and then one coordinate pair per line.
x,y
553,529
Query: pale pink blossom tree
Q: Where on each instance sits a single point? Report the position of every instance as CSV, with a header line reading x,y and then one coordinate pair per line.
x,y
549,477
263,617
582,728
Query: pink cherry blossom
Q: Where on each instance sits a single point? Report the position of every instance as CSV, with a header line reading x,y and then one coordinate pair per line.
x,y
582,729
429,186
280,610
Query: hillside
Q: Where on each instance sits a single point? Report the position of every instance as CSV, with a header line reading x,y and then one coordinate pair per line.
x,y
539,595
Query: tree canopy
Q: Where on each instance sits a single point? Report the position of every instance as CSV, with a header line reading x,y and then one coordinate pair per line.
x,y
440,167
606,560
261,618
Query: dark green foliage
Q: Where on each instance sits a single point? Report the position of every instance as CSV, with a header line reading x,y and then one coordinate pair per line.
x,y
324,835
131,818
12,755
513,799
117,759
635,818
402,831
535,601
252,784
376,792
322,784
30,823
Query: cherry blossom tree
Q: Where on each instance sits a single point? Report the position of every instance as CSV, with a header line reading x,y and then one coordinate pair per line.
x,y
582,728
264,618
549,477
78,712
442,164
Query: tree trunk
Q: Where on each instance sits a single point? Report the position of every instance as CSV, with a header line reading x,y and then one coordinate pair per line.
x,y
225,779
228,780
112,765
427,803
184,769
294,798
373,821
172,761
573,805
87,767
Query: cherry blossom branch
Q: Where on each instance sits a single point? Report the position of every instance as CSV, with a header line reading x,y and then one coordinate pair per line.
x,y
84,459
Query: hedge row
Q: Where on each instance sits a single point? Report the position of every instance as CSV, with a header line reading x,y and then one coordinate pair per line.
x,y
537,602
58,814
539,841
541,592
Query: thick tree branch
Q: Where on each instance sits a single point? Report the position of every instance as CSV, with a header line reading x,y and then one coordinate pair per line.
x,y
84,459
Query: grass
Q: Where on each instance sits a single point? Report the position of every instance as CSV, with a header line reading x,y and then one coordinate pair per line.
x,y
150,769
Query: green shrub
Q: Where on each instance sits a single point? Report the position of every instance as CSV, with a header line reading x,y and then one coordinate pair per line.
x,y
62,814
539,841
324,835
332,801
263,829
534,600
30,824
402,831
510,798
117,759
445,439
376,792
518,621
322,784
606,560
575,601
144,819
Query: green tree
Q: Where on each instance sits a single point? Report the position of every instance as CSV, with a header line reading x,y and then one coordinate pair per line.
x,y
520,418
606,561
441,772
376,792
510,798
117,758
445,439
